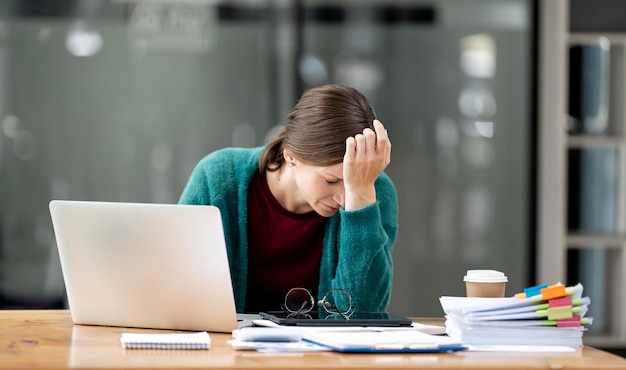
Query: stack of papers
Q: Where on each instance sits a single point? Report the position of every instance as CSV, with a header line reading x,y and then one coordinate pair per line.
x,y
542,315
343,339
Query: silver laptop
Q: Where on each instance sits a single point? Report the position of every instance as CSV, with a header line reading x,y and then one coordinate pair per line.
x,y
160,266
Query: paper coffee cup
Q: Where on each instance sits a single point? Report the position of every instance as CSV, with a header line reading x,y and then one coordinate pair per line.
x,y
485,283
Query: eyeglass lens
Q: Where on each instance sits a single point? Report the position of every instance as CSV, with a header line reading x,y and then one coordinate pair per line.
x,y
337,301
299,300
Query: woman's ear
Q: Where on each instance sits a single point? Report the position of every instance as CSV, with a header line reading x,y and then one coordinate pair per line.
x,y
289,159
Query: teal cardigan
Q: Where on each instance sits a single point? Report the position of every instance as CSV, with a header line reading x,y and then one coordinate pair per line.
x,y
357,244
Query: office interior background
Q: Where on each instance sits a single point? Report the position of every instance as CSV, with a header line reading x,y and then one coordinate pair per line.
x,y
117,100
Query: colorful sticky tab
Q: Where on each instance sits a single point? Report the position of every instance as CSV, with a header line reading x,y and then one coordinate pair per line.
x,y
573,321
534,290
544,292
530,291
563,301
520,296
554,291
559,313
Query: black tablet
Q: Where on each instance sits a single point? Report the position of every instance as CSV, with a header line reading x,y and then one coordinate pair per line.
x,y
321,318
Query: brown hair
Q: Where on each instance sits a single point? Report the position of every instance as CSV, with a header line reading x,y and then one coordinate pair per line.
x,y
318,126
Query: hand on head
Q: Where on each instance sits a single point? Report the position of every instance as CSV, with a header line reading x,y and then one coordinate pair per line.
x,y
367,155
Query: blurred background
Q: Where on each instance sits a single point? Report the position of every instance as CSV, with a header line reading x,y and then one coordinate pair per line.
x,y
118,100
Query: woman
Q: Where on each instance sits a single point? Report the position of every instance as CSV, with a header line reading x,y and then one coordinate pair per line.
x,y
311,209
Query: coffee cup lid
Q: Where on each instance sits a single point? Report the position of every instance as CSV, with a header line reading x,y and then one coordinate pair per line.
x,y
485,276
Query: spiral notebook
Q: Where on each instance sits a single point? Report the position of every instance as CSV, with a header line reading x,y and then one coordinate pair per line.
x,y
176,341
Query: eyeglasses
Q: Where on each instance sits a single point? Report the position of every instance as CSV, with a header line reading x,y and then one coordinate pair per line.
x,y
299,302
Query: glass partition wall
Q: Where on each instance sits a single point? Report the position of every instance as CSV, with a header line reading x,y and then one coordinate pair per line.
x,y
118,100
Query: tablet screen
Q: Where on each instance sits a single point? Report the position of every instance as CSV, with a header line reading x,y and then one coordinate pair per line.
x,y
322,318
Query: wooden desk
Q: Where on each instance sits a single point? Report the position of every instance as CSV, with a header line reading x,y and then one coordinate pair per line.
x,y
47,339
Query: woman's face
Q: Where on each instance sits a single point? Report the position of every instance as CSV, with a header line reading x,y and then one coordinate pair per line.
x,y
320,188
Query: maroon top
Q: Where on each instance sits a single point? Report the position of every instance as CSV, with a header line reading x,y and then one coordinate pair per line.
x,y
284,249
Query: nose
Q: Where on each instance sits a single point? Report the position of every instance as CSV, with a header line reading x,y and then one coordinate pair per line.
x,y
339,197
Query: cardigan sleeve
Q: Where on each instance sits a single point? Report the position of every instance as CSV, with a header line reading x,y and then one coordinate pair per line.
x,y
365,242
